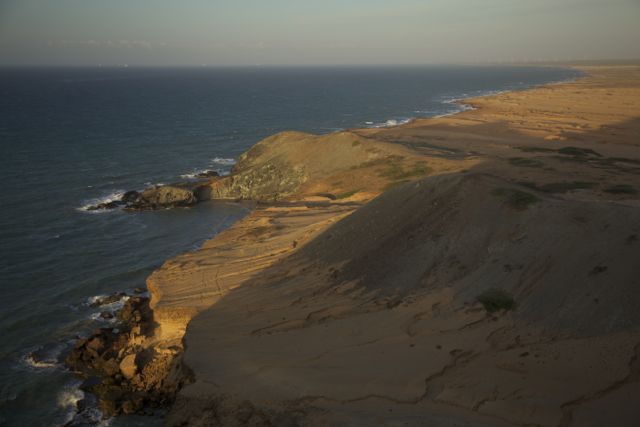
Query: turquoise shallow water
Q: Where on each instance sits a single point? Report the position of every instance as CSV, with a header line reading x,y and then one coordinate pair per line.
x,y
70,137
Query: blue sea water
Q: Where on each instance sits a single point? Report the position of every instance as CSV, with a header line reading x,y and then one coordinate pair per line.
x,y
70,137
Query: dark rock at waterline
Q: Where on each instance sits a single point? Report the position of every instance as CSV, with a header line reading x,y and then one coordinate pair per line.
x,y
159,197
135,311
109,299
107,315
139,291
208,174
168,196
130,196
125,376
47,355
106,206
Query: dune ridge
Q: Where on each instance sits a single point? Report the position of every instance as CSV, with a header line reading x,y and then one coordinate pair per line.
x,y
351,297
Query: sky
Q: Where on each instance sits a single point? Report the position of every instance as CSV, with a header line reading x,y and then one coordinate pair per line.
x,y
314,32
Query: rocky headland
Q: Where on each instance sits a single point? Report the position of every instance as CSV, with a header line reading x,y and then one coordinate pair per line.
x,y
478,269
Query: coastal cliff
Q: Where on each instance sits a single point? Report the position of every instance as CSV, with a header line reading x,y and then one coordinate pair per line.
x,y
478,269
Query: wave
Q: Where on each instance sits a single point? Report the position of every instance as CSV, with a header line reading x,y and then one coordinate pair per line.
x,y
47,356
111,306
390,123
31,362
89,415
195,174
70,395
113,196
116,304
223,161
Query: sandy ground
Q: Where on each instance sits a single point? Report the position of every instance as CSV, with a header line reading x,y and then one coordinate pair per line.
x,y
353,301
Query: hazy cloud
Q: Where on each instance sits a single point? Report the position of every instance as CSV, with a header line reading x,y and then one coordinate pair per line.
x,y
165,32
129,44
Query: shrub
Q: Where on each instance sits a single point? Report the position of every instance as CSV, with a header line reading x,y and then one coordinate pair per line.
x,y
528,149
517,199
575,151
347,194
563,187
526,162
496,299
621,189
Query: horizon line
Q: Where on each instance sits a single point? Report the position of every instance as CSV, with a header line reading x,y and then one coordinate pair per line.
x,y
605,61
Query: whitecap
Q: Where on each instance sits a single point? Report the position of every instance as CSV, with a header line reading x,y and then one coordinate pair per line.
x,y
46,356
392,123
196,172
223,161
90,415
113,307
70,396
113,196
42,364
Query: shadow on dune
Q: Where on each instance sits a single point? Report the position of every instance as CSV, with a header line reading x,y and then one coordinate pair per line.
x,y
571,266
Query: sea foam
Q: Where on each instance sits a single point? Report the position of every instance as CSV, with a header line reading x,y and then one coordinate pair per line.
x,y
223,161
113,196
68,399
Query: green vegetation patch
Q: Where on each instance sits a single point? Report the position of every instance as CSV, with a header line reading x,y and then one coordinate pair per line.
x,y
347,194
558,187
381,161
355,143
623,160
395,184
621,189
526,162
496,300
396,172
529,149
580,152
517,199
564,187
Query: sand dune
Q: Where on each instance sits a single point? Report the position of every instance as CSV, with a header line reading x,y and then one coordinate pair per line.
x,y
353,300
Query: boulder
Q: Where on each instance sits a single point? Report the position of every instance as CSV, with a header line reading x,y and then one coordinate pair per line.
x,y
106,206
109,299
208,174
163,197
48,354
107,315
128,366
130,196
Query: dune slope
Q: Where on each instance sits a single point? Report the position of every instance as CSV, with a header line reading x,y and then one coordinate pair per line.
x,y
479,269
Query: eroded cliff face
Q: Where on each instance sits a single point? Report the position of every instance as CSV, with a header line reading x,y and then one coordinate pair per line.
x,y
270,181
126,367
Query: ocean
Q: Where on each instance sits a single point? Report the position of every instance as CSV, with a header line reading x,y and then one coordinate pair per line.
x,y
71,137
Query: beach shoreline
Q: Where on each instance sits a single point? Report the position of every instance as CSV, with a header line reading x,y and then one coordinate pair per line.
x,y
325,181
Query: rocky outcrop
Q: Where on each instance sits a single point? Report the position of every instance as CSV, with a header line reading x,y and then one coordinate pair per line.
x,y
125,368
207,174
267,182
154,198
167,196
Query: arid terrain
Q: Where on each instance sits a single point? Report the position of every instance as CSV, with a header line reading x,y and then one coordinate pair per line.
x,y
475,269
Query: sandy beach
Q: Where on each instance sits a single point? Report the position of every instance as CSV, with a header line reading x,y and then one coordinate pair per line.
x,y
351,294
